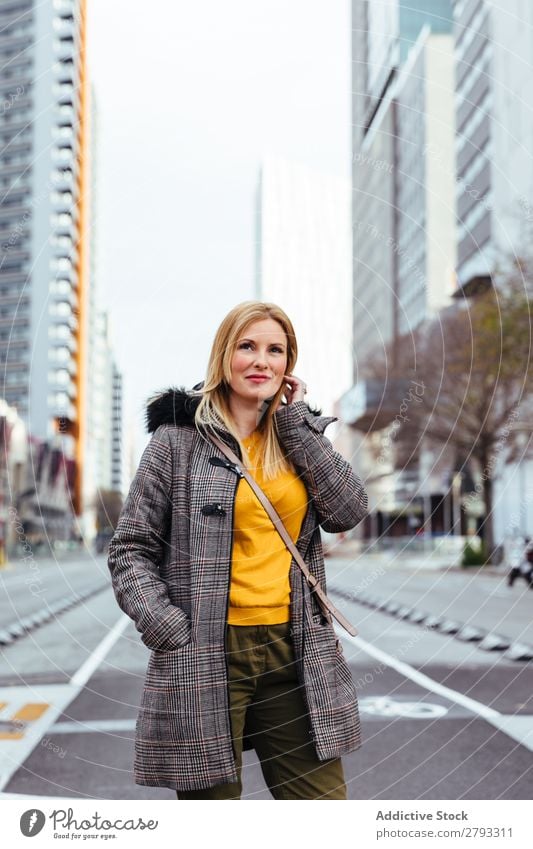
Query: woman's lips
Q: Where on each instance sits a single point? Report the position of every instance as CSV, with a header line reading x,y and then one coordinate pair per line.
x,y
257,379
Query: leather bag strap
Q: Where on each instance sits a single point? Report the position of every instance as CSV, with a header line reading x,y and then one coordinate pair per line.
x,y
327,607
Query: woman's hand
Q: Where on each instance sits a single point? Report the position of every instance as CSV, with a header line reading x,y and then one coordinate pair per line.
x,y
297,388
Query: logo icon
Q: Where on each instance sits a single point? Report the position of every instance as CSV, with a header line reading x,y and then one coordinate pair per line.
x,y
31,822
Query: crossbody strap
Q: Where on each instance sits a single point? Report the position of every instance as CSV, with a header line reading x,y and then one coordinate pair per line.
x,y
327,606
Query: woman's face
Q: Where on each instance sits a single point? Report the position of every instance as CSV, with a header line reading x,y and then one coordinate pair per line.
x,y
259,360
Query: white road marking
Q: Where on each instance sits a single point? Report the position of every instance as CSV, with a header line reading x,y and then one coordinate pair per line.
x,y
96,725
517,730
80,678
518,727
422,679
13,753
385,706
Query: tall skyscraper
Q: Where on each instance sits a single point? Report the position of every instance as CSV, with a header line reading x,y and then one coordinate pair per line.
x,y
402,202
494,116
117,443
303,263
103,452
424,203
383,32
44,129
403,219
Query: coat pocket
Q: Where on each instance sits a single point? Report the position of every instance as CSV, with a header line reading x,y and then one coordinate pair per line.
x,y
320,651
346,693
184,695
328,677
170,632
168,670
330,691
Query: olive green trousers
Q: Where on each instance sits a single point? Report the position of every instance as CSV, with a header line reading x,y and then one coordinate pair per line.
x,y
265,691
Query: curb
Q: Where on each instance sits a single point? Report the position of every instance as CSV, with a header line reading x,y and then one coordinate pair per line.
x,y
486,640
32,621
343,552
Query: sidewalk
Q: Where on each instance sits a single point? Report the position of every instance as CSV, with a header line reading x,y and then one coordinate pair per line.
x,y
351,550
472,604
25,562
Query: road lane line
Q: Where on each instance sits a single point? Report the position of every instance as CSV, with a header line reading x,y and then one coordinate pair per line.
x,y
14,752
517,727
93,725
423,680
80,678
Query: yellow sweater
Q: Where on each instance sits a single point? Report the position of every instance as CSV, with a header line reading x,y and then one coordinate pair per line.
x,y
259,589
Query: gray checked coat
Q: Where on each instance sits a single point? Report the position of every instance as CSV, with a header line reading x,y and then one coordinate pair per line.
x,y
170,562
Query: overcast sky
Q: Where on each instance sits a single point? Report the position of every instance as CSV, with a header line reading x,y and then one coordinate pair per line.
x,y
190,95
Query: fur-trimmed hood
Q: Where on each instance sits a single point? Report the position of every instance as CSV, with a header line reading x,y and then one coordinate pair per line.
x,y
177,405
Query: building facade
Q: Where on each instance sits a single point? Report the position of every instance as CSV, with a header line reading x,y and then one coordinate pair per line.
x,y
403,215
402,167
51,326
303,264
494,118
425,198
44,168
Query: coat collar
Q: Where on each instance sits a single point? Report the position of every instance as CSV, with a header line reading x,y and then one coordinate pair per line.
x,y
177,405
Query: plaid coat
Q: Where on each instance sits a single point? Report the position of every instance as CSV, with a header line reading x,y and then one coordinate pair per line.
x,y
170,562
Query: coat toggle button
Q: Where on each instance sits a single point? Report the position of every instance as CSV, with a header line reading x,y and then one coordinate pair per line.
x,y
213,510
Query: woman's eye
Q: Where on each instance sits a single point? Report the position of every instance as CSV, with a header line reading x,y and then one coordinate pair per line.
x,y
275,348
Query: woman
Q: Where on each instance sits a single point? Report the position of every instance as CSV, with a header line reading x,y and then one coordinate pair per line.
x,y
241,655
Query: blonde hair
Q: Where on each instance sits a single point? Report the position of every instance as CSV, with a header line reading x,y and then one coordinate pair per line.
x,y
214,410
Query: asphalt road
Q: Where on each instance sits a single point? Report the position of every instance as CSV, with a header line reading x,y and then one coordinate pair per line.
x,y
441,718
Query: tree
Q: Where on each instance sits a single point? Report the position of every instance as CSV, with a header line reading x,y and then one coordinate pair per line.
x,y
395,369
473,362
476,369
